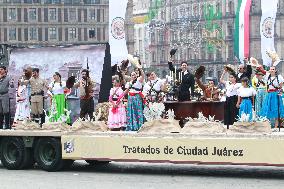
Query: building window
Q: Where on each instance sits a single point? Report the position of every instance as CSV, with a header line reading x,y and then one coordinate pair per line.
x,y
72,14
230,30
92,14
12,14
32,14
231,7
12,34
72,33
72,2
153,37
31,1
12,1
92,33
161,37
92,1
52,33
153,56
33,33
163,56
52,14
230,52
52,1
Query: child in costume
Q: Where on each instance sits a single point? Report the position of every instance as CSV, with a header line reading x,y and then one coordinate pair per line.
x,y
246,98
117,113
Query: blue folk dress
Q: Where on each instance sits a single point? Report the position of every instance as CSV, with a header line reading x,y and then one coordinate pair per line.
x,y
134,114
246,94
273,103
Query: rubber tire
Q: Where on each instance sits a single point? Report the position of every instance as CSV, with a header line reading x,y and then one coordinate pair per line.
x,y
24,157
54,163
97,163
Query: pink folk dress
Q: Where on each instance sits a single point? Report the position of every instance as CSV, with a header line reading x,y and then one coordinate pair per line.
x,y
117,115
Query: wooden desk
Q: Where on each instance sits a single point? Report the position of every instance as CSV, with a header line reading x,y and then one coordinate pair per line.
x,y
191,109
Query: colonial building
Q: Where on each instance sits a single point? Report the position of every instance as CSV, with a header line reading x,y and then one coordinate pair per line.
x,y
202,31
53,22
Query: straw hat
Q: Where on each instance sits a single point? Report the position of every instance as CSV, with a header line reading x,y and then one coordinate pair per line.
x,y
230,68
134,61
254,62
274,57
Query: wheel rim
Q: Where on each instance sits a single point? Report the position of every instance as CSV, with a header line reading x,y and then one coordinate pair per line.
x,y
47,154
11,153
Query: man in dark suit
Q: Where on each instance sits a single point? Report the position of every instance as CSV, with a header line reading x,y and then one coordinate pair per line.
x,y
244,70
186,87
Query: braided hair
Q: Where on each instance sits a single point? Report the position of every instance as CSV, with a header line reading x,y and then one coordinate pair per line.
x,y
58,74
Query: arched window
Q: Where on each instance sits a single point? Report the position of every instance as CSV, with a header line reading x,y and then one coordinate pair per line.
x,y
231,7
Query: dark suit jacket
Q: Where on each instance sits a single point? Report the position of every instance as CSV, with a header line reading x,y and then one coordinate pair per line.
x,y
246,74
187,82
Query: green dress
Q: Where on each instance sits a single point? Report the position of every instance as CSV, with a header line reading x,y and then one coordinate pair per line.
x,y
59,106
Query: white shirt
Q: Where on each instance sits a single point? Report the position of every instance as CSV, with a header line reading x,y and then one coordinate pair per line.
x,y
136,85
246,92
55,88
154,84
273,80
232,89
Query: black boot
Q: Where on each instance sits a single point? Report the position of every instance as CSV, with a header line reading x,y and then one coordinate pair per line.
x,y
42,118
7,121
1,120
35,118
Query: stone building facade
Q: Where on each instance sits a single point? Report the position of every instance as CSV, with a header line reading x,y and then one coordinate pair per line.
x,y
184,24
53,22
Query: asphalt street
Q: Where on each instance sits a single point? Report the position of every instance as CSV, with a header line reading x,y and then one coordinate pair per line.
x,y
144,175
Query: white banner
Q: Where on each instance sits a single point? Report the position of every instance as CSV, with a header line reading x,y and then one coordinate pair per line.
x,y
118,48
269,9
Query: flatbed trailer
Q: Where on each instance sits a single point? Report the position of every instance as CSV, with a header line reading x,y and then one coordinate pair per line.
x,y
53,151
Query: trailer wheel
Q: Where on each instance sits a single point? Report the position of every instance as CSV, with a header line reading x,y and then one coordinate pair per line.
x,y
14,154
48,154
97,163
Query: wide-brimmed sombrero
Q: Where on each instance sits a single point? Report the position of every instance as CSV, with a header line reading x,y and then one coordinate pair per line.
x,y
199,72
230,68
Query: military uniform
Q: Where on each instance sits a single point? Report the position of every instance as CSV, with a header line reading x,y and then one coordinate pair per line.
x,y
4,101
37,94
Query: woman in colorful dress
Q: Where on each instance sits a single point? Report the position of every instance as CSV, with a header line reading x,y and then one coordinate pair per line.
x,y
153,89
259,85
246,99
231,111
273,108
117,113
134,89
22,103
58,104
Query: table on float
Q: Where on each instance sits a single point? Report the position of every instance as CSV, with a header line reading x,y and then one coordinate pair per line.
x,y
192,108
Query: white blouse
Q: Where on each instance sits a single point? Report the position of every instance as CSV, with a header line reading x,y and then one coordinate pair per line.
x,y
55,88
155,85
232,89
246,92
273,80
136,85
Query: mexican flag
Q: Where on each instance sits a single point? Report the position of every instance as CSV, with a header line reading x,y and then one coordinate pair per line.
x,y
242,25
